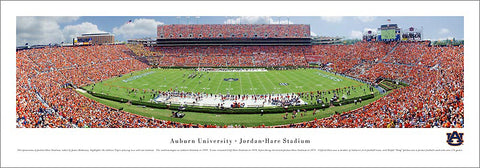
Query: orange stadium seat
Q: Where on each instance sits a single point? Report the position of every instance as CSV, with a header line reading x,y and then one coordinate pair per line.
x,y
434,97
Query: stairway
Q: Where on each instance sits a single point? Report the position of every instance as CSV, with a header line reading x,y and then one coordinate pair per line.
x,y
386,55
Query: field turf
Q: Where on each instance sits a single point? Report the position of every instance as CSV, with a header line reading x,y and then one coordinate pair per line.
x,y
250,83
300,80
249,120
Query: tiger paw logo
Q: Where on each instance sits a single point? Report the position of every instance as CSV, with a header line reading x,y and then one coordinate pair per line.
x,y
454,138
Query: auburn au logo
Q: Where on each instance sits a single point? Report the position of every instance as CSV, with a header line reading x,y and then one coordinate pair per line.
x,y
454,138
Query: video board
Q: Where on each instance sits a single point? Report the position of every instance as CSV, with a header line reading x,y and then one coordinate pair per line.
x,y
388,34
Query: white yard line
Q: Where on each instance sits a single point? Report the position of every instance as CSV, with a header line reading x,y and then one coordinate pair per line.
x,y
291,91
240,80
251,84
218,87
229,87
273,85
305,78
170,81
262,84
210,81
188,82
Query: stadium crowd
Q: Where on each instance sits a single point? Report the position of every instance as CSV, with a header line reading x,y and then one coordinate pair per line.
x,y
231,56
219,31
45,100
434,97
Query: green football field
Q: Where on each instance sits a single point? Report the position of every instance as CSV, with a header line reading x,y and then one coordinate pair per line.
x,y
249,83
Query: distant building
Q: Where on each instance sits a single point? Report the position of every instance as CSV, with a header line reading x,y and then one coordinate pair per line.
x,y
95,38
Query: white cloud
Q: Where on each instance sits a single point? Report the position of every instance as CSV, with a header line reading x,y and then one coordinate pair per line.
x,y
65,19
334,19
442,38
356,34
72,31
444,31
138,28
40,29
365,18
258,20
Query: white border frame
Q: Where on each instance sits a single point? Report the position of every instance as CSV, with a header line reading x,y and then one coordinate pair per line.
x,y
13,138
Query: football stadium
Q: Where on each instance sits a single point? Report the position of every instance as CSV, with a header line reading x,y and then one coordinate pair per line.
x,y
242,75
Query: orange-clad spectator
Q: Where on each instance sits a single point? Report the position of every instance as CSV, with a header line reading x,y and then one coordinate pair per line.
x,y
434,97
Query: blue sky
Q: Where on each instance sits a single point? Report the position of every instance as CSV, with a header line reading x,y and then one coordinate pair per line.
x,y
45,30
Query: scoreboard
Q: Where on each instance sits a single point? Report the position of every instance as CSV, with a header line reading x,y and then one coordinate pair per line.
x,y
388,34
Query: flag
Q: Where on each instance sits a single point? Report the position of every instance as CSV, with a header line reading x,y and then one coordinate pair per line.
x,y
389,20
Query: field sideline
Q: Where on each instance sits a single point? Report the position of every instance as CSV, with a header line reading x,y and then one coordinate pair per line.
x,y
248,120
300,80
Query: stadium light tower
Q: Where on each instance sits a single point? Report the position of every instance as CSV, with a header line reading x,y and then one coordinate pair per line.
x,y
228,18
197,18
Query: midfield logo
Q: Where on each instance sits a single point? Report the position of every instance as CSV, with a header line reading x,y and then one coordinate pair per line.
x,y
454,135
230,79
